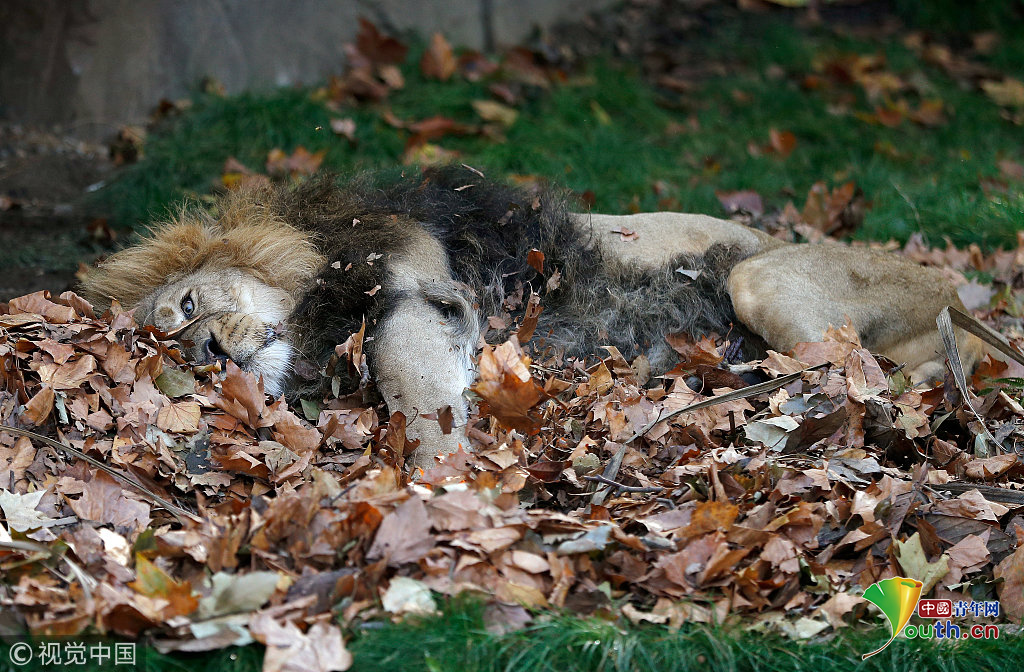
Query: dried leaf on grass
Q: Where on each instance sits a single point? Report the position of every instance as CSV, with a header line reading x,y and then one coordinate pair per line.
x,y
712,506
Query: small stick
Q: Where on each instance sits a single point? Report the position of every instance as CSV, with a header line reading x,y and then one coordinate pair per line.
x,y
174,509
944,323
174,333
621,486
742,393
610,473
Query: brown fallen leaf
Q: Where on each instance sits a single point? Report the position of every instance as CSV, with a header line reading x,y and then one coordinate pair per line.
x,y
378,47
438,61
741,201
404,534
299,162
179,417
506,387
782,142
38,408
1011,590
991,467
103,501
548,471
694,352
40,304
289,649
530,319
626,234
68,376
931,113
241,386
535,258
432,128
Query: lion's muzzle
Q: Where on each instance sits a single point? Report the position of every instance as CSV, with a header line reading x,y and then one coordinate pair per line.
x,y
251,343
235,336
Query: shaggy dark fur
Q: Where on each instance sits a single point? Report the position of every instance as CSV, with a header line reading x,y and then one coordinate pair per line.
x,y
488,230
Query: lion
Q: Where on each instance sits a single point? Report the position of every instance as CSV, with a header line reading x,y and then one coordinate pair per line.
x,y
275,276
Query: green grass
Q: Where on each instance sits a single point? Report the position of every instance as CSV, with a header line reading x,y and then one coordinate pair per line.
x,y
458,641
607,133
960,16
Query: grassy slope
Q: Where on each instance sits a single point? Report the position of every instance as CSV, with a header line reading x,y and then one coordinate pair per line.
x,y
933,185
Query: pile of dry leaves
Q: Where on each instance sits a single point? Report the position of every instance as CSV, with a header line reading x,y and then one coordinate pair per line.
x,y
181,504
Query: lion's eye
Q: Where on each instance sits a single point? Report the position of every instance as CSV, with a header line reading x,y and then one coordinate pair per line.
x,y
187,306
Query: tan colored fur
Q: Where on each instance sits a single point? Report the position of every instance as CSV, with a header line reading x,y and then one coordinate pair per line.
x,y
235,314
791,294
425,359
788,293
663,236
247,270
245,236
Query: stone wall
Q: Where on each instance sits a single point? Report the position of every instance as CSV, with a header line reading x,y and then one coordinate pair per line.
x,y
101,63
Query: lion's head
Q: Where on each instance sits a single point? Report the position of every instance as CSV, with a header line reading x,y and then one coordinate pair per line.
x,y
224,284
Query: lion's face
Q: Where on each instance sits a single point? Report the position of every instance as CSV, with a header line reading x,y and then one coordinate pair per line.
x,y
224,284
224,314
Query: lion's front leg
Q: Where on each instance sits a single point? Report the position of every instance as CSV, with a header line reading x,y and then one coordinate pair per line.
x,y
423,361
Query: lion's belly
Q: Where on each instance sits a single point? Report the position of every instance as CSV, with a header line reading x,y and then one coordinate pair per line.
x,y
653,239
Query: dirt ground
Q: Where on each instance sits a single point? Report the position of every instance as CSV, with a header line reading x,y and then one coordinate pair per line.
x,y
45,177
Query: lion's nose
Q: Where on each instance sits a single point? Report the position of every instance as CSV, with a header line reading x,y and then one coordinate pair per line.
x,y
214,351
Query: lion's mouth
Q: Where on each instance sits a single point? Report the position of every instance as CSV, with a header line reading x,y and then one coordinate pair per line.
x,y
272,362
212,352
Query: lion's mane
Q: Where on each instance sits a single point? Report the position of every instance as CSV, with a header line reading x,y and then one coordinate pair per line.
x,y
328,242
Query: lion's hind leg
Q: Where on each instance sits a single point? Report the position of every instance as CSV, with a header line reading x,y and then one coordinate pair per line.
x,y
792,294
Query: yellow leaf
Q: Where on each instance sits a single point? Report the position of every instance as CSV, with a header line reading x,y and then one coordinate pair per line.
x,y
152,581
180,417
490,110
1008,93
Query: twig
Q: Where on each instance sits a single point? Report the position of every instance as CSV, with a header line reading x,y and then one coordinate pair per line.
x,y
990,492
742,393
944,322
621,486
610,473
985,333
174,509
174,333
87,582
913,208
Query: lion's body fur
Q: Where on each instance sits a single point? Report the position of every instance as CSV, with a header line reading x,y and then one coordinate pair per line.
x,y
423,258
487,231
